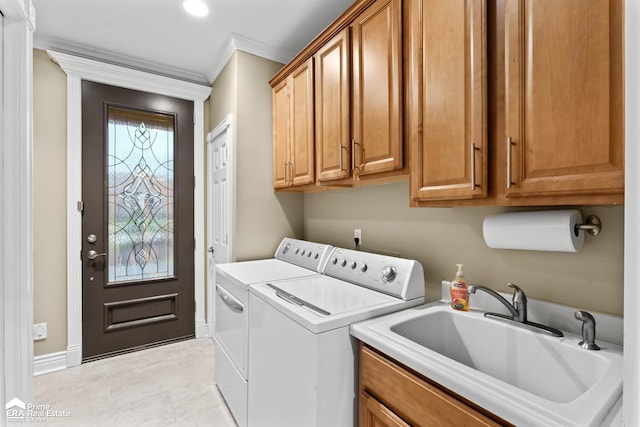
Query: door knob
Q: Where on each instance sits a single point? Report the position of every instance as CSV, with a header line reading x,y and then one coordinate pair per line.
x,y
211,250
93,254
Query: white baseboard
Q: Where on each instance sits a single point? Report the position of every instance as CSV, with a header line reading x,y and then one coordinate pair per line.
x,y
202,330
49,363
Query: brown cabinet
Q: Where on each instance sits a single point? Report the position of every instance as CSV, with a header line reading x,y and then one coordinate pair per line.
x,y
391,395
375,414
537,85
359,120
564,111
293,131
376,36
449,144
333,148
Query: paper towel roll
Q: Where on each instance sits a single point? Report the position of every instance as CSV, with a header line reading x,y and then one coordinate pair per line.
x,y
535,231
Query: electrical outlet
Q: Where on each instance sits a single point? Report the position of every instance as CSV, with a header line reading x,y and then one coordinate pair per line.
x,y
39,331
358,234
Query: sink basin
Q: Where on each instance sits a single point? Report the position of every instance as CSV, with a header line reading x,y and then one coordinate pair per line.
x,y
527,361
525,377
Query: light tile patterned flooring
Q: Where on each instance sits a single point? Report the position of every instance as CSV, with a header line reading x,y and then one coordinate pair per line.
x,y
171,385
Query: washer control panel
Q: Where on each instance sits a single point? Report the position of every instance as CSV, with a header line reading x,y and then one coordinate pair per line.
x,y
303,254
402,278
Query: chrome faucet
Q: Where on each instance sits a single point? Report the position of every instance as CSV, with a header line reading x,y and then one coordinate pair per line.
x,y
588,330
517,308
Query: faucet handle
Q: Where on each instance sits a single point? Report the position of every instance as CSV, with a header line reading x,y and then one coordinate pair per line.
x,y
518,294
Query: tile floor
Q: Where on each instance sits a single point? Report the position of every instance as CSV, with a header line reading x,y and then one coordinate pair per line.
x,y
170,385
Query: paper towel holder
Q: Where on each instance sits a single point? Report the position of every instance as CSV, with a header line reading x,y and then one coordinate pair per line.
x,y
591,225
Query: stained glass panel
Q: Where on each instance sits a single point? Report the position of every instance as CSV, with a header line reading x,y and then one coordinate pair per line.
x,y
140,175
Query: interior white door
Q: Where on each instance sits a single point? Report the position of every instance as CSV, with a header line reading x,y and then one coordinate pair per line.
x,y
220,190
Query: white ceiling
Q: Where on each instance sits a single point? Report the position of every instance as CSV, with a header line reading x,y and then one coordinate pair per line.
x,y
158,36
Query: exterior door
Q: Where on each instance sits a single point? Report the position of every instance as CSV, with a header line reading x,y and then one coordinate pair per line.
x,y
137,224
219,206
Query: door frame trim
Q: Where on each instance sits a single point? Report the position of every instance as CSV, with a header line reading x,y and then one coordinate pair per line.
x,y
226,125
16,206
78,69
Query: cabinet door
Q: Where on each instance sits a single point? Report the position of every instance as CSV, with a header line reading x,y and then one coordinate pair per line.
x,y
449,149
375,414
377,143
333,151
281,135
301,149
564,97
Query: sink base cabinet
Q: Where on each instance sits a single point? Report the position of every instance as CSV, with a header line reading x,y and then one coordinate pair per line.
x,y
391,395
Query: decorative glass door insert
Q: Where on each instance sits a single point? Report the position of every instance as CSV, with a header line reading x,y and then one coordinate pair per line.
x,y
140,195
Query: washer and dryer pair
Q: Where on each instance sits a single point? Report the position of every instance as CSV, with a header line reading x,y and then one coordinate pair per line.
x,y
284,355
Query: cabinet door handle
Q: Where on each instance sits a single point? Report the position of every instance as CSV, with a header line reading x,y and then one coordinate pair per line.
x,y
473,166
286,180
291,172
340,159
353,155
509,143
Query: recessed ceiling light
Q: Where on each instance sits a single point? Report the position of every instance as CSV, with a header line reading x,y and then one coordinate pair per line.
x,y
195,7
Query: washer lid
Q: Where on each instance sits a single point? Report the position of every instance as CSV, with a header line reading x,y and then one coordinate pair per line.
x,y
307,301
248,272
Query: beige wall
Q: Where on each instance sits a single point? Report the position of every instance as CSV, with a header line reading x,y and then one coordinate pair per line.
x,y
263,218
441,237
49,201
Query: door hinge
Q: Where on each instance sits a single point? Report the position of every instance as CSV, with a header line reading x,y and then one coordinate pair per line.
x,y
194,244
80,206
195,306
194,181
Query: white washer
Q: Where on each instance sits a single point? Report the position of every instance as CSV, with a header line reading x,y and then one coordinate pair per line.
x,y
293,259
302,360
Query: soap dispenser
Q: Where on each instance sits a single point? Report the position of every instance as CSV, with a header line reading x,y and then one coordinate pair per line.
x,y
459,291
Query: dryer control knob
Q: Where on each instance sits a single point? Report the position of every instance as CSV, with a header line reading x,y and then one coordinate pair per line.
x,y
334,261
353,265
344,262
388,273
363,267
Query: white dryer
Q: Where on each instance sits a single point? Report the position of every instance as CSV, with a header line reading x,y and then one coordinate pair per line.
x,y
302,359
293,259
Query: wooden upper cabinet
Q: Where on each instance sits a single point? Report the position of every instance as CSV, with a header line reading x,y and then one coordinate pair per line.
x,y
449,144
281,134
377,144
333,145
302,130
564,107
293,136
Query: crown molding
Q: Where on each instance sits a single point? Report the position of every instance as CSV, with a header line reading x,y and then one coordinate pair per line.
x,y
237,42
110,57
101,72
